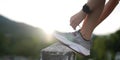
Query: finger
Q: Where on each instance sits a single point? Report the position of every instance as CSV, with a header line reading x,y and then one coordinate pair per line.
x,y
72,19
73,26
72,22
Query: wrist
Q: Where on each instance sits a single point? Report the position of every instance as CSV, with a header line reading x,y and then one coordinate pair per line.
x,y
86,9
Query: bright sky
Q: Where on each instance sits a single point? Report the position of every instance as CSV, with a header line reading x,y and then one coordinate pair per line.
x,y
52,15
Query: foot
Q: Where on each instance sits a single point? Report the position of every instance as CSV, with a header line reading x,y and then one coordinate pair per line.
x,y
74,41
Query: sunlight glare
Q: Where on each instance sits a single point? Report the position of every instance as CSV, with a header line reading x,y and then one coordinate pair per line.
x,y
51,15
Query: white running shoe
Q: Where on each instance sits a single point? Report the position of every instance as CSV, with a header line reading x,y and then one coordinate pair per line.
x,y
74,41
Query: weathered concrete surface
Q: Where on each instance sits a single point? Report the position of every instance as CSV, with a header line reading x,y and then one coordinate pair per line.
x,y
57,51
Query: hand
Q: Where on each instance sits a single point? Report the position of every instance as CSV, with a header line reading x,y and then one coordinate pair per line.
x,y
77,19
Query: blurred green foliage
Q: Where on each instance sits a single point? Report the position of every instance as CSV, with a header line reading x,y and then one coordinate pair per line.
x,y
22,45
20,39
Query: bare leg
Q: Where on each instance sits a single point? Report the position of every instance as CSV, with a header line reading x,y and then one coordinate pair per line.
x,y
107,10
92,19
89,26
78,17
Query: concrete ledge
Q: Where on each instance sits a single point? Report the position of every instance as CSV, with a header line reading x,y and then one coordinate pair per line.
x,y
57,51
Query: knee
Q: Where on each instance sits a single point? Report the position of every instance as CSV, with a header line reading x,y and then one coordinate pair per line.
x,y
93,4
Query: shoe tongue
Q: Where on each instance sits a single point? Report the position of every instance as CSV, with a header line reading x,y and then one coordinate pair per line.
x,y
76,33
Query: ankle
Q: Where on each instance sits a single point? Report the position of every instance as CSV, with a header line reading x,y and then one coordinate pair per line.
x,y
84,36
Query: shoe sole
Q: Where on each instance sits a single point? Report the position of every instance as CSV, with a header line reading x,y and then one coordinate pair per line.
x,y
76,47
